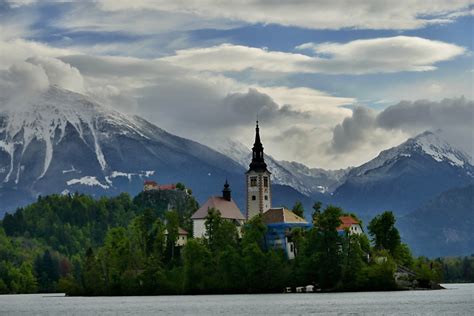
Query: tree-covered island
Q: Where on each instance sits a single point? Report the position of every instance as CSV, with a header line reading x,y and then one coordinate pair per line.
x,y
123,246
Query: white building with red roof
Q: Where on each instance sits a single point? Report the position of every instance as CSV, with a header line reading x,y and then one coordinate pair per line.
x,y
350,224
227,208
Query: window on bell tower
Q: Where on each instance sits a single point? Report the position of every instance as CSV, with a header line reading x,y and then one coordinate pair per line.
x,y
265,182
253,181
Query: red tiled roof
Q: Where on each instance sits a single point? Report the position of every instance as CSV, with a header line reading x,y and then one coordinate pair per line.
x,y
281,215
228,209
150,182
167,187
347,222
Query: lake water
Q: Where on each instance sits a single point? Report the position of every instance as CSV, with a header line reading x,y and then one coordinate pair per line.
x,y
458,299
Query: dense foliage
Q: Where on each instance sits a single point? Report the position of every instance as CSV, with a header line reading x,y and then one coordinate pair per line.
x,y
458,269
120,246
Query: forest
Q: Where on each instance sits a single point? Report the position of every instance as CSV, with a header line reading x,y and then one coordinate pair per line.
x,y
127,246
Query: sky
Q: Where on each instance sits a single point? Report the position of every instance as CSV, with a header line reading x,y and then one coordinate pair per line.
x,y
332,82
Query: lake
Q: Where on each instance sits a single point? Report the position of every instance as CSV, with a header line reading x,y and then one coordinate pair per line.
x,y
457,299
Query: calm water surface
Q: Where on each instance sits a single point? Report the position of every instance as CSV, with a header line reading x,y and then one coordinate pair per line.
x,y
458,299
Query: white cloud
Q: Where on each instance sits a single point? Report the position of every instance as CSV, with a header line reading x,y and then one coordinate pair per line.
x,y
379,55
60,73
391,54
228,57
135,20
22,78
18,50
321,14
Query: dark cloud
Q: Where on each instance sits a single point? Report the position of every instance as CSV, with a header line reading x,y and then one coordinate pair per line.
x,y
346,136
253,102
427,114
454,116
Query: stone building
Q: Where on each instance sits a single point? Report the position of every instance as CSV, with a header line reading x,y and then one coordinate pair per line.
x,y
225,205
258,181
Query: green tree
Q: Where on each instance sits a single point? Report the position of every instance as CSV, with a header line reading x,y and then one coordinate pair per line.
x,y
353,263
254,265
212,224
316,210
198,267
220,233
254,232
93,278
172,231
403,256
384,233
298,209
327,244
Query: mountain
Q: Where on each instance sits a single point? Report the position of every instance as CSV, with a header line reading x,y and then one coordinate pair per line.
x,y
443,226
313,182
63,141
405,177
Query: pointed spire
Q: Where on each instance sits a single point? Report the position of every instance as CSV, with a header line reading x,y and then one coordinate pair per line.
x,y
257,137
226,193
258,161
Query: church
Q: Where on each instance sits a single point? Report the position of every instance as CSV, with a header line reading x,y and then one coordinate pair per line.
x,y
279,221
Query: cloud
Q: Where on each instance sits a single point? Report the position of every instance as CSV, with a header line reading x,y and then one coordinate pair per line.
x,y
22,78
455,117
322,14
228,57
60,73
425,114
18,50
242,106
352,129
22,81
378,55
134,19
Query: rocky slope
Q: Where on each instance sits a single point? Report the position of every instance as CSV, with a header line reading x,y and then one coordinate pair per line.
x,y
405,177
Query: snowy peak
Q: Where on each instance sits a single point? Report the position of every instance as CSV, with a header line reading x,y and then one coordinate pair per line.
x,y
430,144
46,119
439,149
296,175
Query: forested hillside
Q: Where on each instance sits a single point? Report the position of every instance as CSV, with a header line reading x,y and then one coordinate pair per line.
x,y
48,239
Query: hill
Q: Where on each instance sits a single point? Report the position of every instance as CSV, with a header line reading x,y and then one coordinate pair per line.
x,y
443,226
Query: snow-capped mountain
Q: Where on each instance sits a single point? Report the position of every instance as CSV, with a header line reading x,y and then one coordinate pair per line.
x,y
65,142
309,181
404,177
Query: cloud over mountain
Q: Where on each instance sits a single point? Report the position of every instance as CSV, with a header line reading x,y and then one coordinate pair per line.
x,y
453,116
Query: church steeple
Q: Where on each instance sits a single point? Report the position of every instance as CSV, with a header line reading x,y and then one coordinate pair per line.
x,y
259,190
226,193
258,161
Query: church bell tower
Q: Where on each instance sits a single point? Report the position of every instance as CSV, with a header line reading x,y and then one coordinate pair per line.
x,y
259,193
